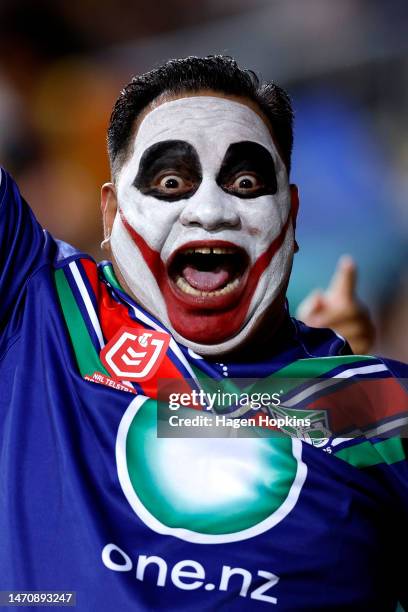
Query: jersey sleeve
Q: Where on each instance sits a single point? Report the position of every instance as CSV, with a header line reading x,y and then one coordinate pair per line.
x,y
23,245
382,454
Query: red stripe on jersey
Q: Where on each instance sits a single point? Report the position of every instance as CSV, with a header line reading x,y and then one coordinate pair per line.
x,y
114,315
91,272
362,403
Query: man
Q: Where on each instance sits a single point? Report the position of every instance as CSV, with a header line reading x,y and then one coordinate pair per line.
x,y
200,225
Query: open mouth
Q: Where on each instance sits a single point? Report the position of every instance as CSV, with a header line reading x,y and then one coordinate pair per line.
x,y
208,271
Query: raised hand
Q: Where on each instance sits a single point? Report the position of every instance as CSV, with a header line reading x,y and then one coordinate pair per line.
x,y
339,308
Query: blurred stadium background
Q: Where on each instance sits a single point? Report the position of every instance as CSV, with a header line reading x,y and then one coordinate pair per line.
x,y
345,64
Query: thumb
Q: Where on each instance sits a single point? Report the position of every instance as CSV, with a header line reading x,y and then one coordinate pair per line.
x,y
343,283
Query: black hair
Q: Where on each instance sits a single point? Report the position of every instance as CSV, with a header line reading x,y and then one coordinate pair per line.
x,y
191,74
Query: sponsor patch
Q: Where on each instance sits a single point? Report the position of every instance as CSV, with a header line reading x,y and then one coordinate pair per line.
x,y
98,377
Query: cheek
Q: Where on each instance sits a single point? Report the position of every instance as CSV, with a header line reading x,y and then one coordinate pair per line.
x,y
275,276
263,219
152,219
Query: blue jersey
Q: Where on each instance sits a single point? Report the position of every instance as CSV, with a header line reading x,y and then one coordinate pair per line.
x,y
92,501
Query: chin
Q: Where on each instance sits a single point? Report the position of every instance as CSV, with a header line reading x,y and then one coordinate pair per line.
x,y
221,345
212,341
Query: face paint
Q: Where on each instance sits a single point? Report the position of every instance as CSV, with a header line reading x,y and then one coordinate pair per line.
x,y
248,158
203,236
156,161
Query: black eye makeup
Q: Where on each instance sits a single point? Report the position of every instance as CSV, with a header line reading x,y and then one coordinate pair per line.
x,y
247,171
169,170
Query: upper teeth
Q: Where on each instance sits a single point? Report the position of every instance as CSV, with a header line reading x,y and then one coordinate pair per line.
x,y
208,250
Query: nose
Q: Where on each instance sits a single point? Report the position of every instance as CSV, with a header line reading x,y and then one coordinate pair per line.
x,y
211,209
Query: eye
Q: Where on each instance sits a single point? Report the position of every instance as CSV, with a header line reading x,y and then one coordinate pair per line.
x,y
172,184
246,184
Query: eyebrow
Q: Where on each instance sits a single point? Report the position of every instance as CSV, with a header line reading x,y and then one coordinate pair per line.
x,y
177,155
248,156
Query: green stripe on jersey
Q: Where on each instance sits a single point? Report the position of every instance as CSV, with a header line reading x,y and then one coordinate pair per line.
x,y
111,277
287,378
316,366
85,353
367,453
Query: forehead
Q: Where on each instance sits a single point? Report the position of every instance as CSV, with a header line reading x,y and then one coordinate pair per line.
x,y
209,123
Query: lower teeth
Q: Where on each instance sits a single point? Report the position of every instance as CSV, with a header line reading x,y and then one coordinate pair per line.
x,y
187,288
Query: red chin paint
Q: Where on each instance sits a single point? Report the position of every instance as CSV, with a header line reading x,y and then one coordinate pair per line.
x,y
206,319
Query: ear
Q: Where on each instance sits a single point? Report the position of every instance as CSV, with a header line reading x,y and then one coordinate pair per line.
x,y
109,207
294,206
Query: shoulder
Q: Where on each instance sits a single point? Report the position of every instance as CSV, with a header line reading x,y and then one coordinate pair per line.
x,y
319,342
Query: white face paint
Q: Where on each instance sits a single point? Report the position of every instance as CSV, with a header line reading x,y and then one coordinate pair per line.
x,y
210,308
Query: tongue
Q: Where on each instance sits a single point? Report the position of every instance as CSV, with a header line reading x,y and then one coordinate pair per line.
x,y
206,280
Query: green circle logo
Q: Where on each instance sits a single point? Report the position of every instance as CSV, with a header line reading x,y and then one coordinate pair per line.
x,y
205,490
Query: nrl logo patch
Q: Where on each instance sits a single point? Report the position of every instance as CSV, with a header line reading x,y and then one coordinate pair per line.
x,y
132,356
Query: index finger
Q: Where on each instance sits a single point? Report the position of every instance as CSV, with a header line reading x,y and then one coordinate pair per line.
x,y
344,279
